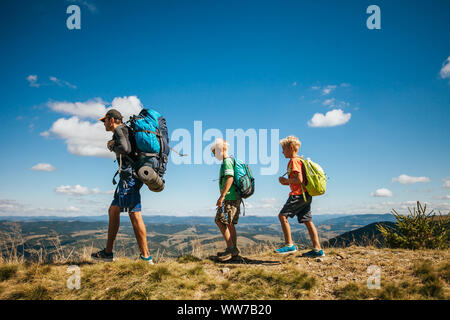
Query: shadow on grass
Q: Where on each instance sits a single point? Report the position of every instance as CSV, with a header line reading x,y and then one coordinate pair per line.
x,y
244,260
78,263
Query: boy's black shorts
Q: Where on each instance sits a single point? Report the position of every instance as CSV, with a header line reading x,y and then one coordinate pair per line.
x,y
296,206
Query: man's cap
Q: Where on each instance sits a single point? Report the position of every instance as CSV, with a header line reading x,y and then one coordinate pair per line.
x,y
113,113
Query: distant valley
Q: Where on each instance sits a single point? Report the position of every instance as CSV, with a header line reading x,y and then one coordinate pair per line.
x,y
168,235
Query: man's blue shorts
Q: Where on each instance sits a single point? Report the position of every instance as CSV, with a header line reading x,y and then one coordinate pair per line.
x,y
127,195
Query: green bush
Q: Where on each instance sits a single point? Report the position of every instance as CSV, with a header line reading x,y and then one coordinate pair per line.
x,y
418,230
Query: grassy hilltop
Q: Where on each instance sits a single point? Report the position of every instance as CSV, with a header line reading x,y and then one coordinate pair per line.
x,y
342,274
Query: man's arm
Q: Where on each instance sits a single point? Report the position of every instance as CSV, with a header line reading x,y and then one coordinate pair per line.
x,y
122,143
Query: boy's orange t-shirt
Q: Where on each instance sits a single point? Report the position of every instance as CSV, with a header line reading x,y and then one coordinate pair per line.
x,y
295,165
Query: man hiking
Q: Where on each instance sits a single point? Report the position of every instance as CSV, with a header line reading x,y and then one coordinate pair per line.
x,y
126,196
228,204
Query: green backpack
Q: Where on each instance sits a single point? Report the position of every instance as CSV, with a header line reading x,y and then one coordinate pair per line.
x,y
316,179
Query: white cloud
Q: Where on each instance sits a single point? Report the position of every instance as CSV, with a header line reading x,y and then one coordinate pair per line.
x,y
76,190
329,102
32,80
45,134
387,206
263,206
327,90
62,83
445,70
446,197
12,207
405,179
333,103
86,138
383,192
43,167
96,108
127,106
72,209
269,203
446,184
93,109
91,7
7,205
332,118
343,104
83,138
72,190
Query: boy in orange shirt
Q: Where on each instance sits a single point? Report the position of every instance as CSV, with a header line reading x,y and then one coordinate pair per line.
x,y
296,204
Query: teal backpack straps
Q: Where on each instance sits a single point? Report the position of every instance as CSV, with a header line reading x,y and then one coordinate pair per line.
x,y
236,186
243,204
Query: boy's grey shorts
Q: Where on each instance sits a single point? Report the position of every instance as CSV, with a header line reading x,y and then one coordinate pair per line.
x,y
296,206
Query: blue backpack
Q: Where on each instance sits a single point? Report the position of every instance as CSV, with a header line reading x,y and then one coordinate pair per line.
x,y
243,179
151,138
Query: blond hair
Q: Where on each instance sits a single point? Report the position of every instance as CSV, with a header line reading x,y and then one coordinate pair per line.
x,y
291,141
219,143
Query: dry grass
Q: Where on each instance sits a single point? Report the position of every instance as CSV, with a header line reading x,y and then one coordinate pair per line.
x,y
342,274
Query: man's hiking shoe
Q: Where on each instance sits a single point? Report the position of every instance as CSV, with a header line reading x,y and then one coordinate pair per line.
x,y
103,256
222,253
228,254
286,249
314,253
149,260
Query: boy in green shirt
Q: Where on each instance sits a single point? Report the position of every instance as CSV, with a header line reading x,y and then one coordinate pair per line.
x,y
228,204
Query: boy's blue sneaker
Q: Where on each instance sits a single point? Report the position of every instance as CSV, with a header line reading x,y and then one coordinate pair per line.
x,y
286,249
313,254
148,260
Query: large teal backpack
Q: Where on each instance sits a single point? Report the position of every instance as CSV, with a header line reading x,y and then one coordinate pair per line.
x,y
151,138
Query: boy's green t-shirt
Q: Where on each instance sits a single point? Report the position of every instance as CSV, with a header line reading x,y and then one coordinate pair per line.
x,y
227,169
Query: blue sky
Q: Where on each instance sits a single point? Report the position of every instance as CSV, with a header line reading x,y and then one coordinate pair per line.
x,y
234,64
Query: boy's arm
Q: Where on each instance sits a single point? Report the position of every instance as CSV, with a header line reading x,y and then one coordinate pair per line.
x,y
297,174
296,179
227,186
224,191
